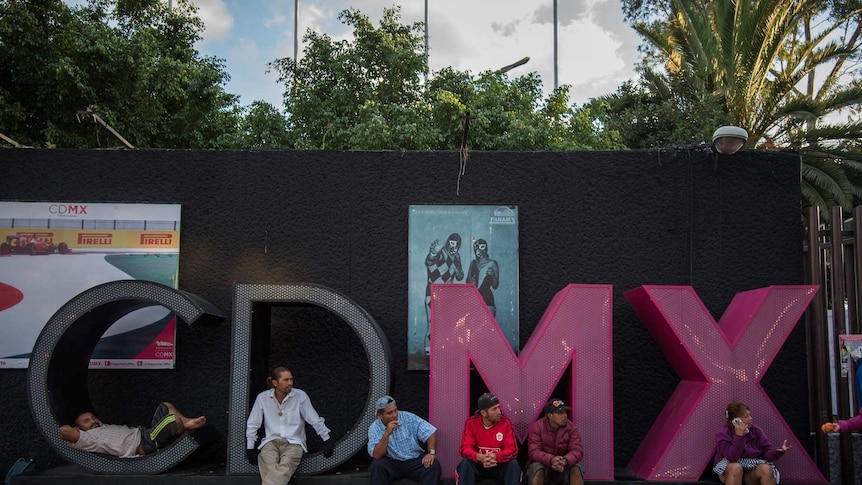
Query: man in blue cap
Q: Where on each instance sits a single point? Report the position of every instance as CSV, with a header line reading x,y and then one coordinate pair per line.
x,y
395,443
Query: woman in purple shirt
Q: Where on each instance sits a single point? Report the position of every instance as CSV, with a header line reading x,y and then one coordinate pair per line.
x,y
743,454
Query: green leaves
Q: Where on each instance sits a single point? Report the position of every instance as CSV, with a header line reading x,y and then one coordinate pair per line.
x,y
368,93
130,61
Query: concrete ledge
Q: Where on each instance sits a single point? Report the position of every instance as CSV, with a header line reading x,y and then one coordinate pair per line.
x,y
74,475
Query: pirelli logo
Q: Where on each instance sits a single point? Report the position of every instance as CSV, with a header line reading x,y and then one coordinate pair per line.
x,y
95,238
157,239
46,237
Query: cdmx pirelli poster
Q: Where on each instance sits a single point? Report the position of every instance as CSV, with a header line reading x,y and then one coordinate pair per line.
x,y
52,251
470,244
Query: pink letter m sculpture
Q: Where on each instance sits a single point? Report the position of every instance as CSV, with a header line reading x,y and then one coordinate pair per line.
x,y
575,330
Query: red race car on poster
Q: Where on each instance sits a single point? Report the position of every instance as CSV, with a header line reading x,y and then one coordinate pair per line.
x,y
18,244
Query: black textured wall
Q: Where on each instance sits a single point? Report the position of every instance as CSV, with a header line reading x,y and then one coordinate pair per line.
x,y
670,217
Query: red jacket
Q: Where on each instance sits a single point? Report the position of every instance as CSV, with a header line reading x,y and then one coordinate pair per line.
x,y
500,439
544,443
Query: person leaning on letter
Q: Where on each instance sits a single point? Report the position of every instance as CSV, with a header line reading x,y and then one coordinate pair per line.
x,y
283,411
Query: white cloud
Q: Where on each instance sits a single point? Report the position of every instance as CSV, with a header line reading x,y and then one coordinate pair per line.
x,y
244,51
597,50
218,21
274,20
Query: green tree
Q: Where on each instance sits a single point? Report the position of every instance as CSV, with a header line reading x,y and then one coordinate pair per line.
x,y
368,94
756,60
361,94
263,126
132,62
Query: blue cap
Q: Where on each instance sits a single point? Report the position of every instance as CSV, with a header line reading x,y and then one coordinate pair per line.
x,y
384,402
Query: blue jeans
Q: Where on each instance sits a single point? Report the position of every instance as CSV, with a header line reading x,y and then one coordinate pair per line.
x,y
469,473
385,469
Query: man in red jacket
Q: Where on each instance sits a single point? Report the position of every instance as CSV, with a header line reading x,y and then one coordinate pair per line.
x,y
488,446
554,448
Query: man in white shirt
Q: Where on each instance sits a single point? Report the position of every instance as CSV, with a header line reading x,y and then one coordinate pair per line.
x,y
283,411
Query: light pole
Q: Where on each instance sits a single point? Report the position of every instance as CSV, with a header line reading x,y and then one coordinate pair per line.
x,y
513,65
555,45
295,29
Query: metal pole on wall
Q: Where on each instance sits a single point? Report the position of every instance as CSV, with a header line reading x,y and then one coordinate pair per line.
x,y
819,405
845,386
555,45
295,29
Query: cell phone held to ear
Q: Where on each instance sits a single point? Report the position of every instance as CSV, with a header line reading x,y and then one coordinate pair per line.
x,y
736,421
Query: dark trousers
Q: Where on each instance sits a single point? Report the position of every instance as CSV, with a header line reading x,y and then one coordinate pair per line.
x,y
469,473
384,470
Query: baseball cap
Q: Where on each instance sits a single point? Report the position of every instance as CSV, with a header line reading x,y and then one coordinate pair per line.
x,y
556,406
384,402
487,400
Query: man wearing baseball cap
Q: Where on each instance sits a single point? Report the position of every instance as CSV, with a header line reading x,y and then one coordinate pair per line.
x,y
554,448
488,446
394,443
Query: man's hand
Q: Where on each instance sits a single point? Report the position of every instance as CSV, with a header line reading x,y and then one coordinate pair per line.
x,y
830,427
428,460
488,460
328,448
70,434
251,455
558,463
391,426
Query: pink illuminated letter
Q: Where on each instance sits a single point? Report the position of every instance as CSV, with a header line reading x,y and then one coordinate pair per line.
x,y
575,330
717,363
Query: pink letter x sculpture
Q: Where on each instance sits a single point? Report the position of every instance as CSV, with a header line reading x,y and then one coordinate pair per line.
x,y
717,363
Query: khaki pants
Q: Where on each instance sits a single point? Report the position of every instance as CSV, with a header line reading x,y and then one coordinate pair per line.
x,y
278,460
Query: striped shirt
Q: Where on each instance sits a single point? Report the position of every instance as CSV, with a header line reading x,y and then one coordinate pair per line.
x,y
404,442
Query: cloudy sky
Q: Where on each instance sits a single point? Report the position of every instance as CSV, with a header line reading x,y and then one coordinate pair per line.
x,y
596,49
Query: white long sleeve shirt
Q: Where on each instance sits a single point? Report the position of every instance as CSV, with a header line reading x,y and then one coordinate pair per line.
x,y
285,420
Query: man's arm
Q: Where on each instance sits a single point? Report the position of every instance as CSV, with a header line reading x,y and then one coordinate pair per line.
x,y
255,418
310,416
382,446
534,445
509,449
468,443
70,434
575,453
432,442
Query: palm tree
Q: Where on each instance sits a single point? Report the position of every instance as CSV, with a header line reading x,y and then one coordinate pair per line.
x,y
759,57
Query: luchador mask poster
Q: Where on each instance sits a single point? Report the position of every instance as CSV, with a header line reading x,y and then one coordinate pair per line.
x,y
461,244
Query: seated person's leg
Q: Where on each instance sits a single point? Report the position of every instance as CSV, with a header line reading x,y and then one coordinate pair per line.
x,y
732,475
536,473
467,472
184,423
430,475
761,475
576,475
510,473
381,471
162,431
